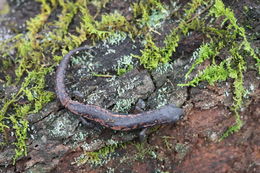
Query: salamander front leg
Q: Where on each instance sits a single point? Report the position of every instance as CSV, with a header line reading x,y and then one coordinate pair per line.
x,y
87,123
143,135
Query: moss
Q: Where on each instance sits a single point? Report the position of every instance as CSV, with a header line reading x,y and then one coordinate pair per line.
x,y
166,141
142,151
152,55
37,99
211,74
100,156
54,39
38,52
231,67
102,75
20,125
100,4
114,22
205,51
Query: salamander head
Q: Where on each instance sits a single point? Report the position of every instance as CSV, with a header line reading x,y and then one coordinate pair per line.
x,y
171,113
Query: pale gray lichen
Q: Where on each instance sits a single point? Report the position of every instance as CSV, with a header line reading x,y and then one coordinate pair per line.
x,y
157,18
164,68
160,171
153,154
128,85
93,97
110,170
115,39
78,137
109,51
123,105
63,126
85,59
112,142
125,61
124,64
161,98
94,145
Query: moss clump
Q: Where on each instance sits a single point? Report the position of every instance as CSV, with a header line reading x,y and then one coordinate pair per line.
x,y
230,36
39,50
231,67
31,89
143,151
205,52
153,55
100,156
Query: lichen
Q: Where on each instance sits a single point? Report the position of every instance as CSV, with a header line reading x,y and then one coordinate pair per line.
x,y
123,105
148,14
63,127
161,98
124,65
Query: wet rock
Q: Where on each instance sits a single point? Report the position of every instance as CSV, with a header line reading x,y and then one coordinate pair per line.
x,y
211,159
10,90
6,157
207,120
206,97
63,126
47,110
119,93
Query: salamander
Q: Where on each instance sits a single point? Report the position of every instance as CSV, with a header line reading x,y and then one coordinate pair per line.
x,y
116,121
